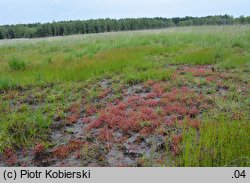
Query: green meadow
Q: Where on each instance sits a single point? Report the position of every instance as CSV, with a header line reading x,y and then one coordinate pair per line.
x,y
40,79
82,57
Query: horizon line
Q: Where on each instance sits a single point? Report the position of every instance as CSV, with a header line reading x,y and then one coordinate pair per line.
x,y
56,21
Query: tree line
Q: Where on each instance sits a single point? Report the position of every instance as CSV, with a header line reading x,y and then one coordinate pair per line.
x,y
109,25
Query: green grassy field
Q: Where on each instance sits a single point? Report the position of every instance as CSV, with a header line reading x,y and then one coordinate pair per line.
x,y
191,85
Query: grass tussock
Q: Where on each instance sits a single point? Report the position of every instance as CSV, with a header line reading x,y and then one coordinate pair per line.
x,y
20,130
17,64
221,142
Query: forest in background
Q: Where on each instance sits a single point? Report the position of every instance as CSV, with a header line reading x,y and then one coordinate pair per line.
x,y
63,28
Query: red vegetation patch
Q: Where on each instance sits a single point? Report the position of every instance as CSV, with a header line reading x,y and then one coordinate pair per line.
x,y
145,114
63,151
10,157
90,110
72,118
104,93
86,120
106,134
176,147
39,148
78,154
151,95
198,71
158,89
74,113
210,79
194,123
151,103
171,120
149,83
177,139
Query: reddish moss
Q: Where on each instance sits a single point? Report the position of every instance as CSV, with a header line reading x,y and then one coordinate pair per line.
x,y
72,118
194,123
90,110
10,157
62,152
104,94
39,148
106,134
177,139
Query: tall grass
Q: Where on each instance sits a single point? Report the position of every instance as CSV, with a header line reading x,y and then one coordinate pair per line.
x,y
23,129
220,142
77,58
6,83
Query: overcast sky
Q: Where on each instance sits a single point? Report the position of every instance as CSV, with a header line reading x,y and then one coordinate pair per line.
x,y
30,11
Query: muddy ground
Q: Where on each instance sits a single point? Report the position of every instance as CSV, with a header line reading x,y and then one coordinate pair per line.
x,y
137,124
